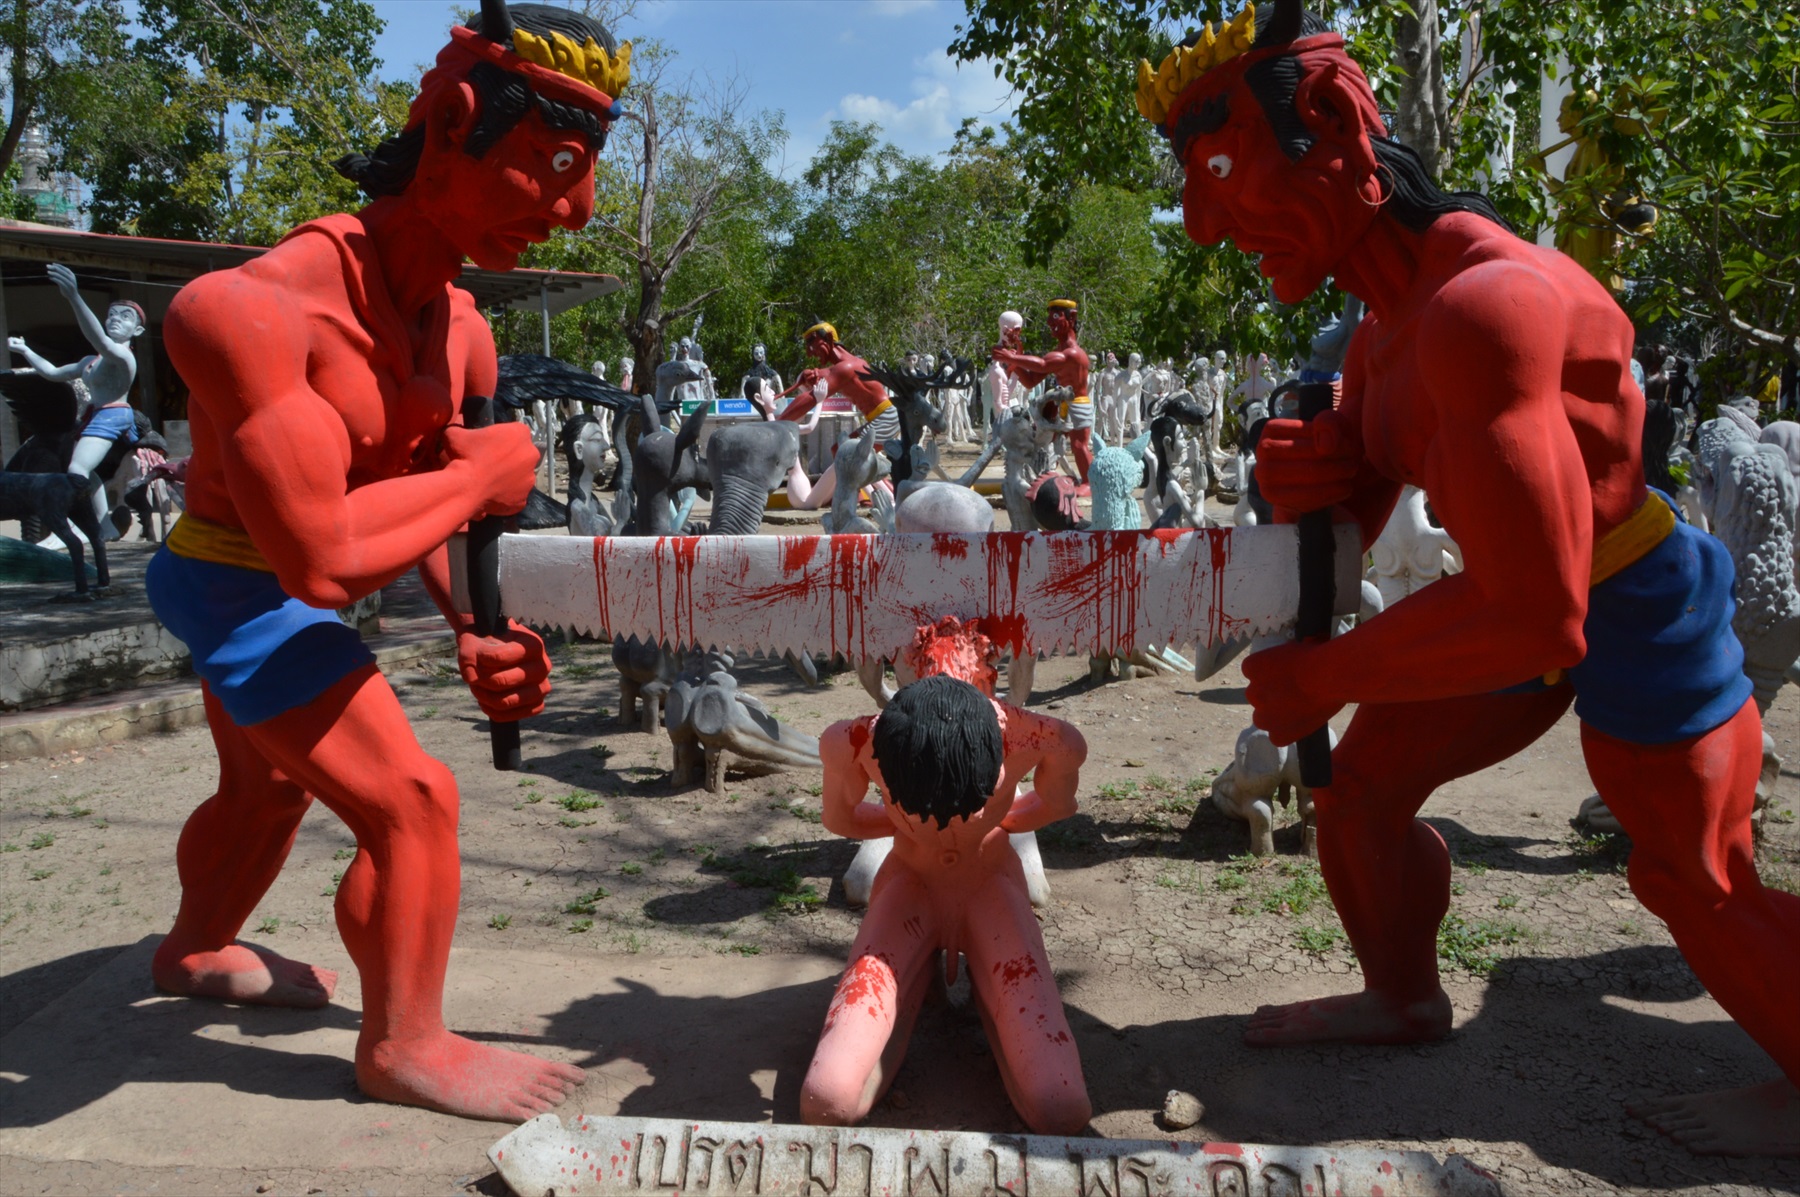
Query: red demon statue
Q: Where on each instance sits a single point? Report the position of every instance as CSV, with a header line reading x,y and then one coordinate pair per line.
x,y
329,458
1495,375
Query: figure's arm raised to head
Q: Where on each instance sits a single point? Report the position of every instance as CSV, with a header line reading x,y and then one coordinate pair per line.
x,y
1054,750
286,453
847,784
1507,479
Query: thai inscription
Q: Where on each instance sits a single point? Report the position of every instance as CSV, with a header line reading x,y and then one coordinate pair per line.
x,y
640,1156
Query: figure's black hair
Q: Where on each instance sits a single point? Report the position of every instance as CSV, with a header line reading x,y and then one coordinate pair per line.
x,y
939,748
503,99
1409,193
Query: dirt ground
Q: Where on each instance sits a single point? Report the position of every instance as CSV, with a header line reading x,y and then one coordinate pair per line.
x,y
1570,999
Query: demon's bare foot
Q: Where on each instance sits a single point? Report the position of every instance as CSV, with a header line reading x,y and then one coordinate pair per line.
x,y
1366,1017
1758,1120
241,972
449,1073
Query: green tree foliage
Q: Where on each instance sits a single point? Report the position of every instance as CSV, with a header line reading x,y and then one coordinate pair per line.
x,y
686,213
1697,107
1715,84
219,120
51,48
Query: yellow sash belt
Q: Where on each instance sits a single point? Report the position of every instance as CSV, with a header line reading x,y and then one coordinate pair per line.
x,y
203,540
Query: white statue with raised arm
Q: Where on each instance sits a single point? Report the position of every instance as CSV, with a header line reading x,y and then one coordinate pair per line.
x,y
107,373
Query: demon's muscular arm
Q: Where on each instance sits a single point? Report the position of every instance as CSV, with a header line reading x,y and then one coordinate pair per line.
x,y
1030,368
285,458
1505,476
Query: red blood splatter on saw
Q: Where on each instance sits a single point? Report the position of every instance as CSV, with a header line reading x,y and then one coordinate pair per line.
x,y
797,552
949,546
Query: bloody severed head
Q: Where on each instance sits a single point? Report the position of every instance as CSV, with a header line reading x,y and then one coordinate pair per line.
x,y
1284,146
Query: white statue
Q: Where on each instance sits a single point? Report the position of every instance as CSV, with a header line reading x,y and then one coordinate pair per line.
x,y
1411,553
108,373
761,383
1004,390
1260,778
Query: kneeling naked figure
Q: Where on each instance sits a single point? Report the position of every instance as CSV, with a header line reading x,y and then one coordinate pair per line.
x,y
952,886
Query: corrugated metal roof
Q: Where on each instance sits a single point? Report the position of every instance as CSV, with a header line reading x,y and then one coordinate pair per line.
x,y
157,258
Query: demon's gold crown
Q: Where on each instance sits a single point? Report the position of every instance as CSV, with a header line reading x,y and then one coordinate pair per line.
x,y
1157,89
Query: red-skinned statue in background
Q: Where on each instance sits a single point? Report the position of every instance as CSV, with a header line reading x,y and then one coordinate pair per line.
x,y
952,885
1495,375
1068,364
842,373
329,458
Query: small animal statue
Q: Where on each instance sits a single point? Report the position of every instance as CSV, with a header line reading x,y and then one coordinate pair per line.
x,y
54,501
1260,778
712,724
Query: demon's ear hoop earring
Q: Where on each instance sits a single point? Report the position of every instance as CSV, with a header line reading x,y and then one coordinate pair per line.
x,y
1385,192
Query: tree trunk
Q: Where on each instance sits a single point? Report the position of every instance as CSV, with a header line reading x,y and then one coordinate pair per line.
x,y
1423,110
24,91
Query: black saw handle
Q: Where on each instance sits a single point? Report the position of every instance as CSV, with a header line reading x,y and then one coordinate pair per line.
x,y
1318,592
484,582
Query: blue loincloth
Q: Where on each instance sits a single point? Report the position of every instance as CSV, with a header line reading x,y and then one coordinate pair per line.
x,y
1663,664
261,651
111,424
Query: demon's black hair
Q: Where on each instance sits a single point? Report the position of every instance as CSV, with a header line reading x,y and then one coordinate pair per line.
x,y
939,747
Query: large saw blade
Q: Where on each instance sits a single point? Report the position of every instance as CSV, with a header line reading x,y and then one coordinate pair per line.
x,y
864,596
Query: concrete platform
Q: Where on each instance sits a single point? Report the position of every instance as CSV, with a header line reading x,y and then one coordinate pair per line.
x,y
113,1071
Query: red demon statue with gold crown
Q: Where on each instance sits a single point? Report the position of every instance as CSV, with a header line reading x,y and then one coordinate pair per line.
x,y
327,382
1495,375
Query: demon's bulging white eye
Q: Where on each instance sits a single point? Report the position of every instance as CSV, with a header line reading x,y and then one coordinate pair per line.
x,y
563,161
1220,165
